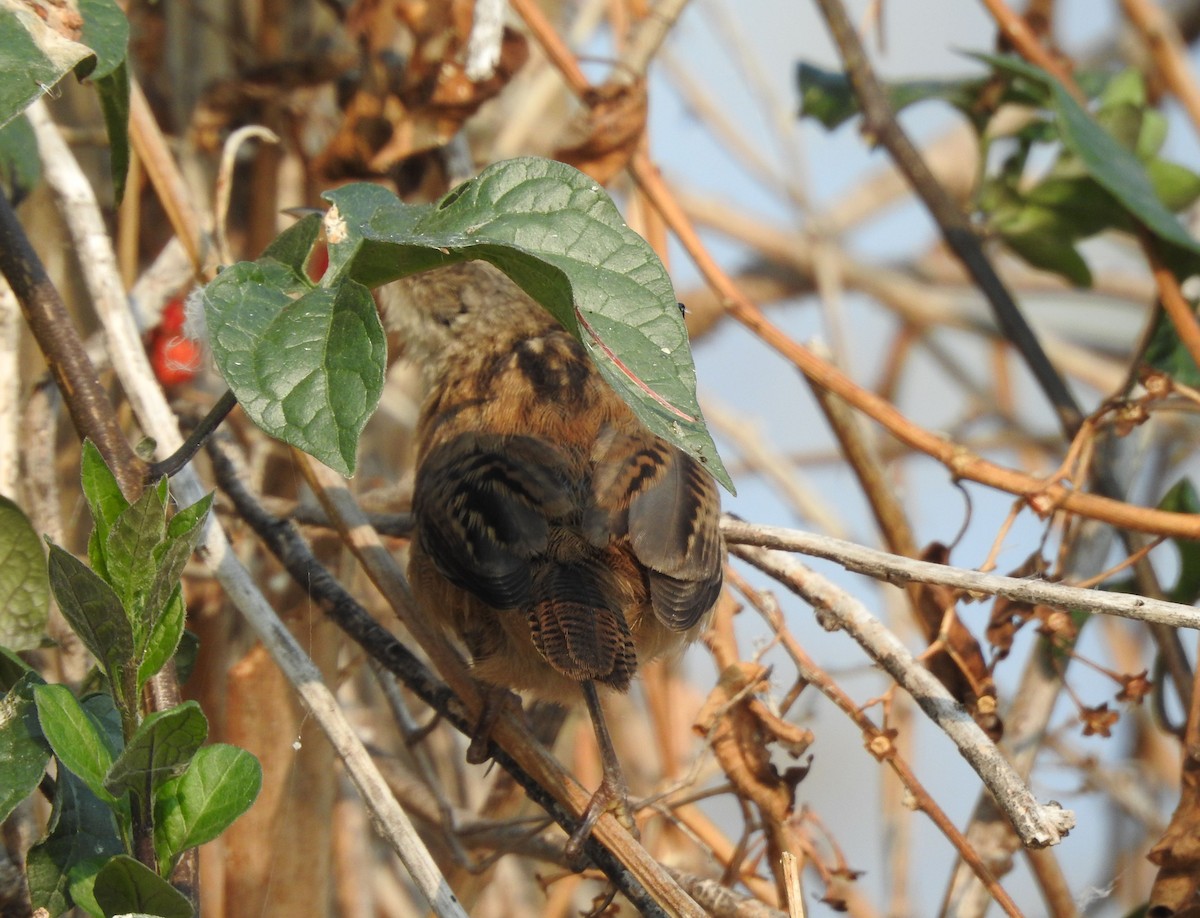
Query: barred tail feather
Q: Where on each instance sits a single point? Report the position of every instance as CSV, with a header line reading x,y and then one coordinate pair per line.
x,y
577,631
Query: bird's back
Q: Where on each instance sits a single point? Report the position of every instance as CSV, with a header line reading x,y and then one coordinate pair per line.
x,y
555,534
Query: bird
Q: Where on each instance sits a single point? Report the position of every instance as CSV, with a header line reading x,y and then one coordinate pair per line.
x,y
555,535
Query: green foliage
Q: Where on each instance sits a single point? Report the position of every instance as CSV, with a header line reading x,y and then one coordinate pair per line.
x,y
24,586
117,769
1167,353
306,362
34,56
1182,498
1107,174
20,168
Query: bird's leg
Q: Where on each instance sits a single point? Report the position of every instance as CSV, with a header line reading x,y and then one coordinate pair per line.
x,y
613,793
495,699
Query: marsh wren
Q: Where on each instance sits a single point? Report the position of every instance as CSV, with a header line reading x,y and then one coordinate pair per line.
x,y
562,541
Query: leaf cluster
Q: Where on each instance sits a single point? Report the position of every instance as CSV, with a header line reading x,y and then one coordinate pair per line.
x,y
306,361
114,767
1106,171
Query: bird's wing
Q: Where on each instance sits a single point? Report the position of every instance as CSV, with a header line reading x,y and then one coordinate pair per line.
x,y
668,507
483,505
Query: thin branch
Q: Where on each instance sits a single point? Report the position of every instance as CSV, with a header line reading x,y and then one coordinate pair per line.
x,y
1036,825
896,569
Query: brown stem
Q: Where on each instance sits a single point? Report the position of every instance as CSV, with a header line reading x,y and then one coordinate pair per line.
x,y
87,401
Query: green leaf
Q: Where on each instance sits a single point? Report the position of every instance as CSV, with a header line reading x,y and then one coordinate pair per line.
x,y
1182,498
163,639
1167,353
94,612
81,881
188,522
1081,207
81,829
221,784
1176,186
309,370
105,500
171,556
185,656
106,32
559,236
20,165
1152,136
1050,251
114,103
125,886
160,749
293,247
828,97
12,669
1115,168
24,582
102,709
23,750
33,57
130,550
75,737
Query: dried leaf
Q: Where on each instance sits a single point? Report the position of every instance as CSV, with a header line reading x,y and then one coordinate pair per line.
x,y
607,137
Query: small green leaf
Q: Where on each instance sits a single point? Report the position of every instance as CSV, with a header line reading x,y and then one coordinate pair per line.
x,y
1050,251
160,749
163,638
75,737
125,886
114,103
23,751
1182,498
81,829
559,236
94,612
1115,168
171,556
20,165
1081,207
33,57
1176,186
24,581
1167,353
12,669
185,656
294,245
130,550
828,97
221,784
308,370
102,709
105,500
81,880
188,523
1152,136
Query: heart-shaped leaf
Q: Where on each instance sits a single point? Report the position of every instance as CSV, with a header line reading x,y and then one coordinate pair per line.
x,y
559,236
306,363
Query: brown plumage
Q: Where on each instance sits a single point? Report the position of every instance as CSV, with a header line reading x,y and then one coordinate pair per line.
x,y
559,538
